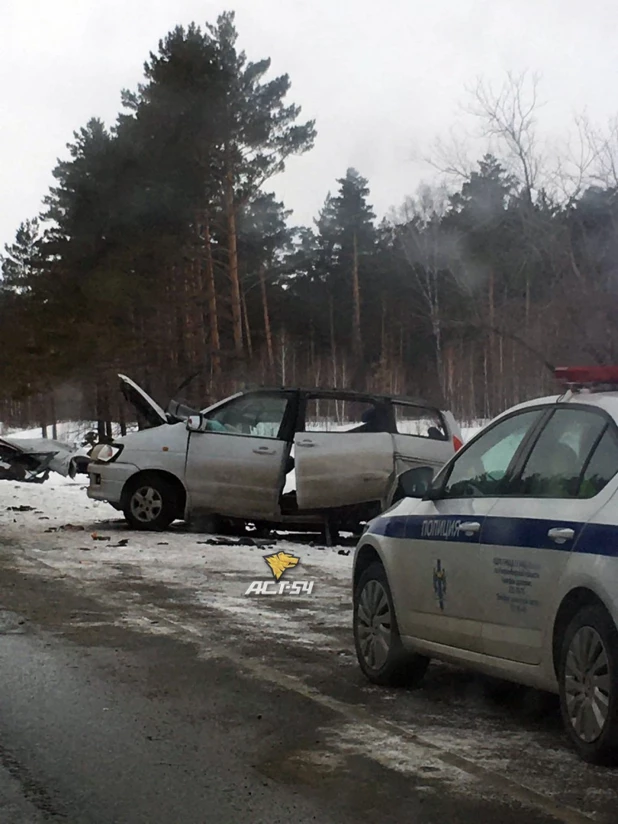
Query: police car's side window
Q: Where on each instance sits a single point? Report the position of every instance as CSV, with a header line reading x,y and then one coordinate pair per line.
x,y
480,468
555,465
602,466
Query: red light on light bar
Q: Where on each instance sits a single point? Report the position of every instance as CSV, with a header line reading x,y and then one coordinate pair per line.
x,y
587,374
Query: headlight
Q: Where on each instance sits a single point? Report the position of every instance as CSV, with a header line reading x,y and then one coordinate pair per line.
x,y
105,452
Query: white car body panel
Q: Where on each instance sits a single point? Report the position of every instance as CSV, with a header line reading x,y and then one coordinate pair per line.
x,y
509,632
504,592
243,476
235,474
411,451
350,468
459,557
163,448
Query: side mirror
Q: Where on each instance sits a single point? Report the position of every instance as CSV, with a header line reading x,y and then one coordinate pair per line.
x,y
197,423
433,494
415,482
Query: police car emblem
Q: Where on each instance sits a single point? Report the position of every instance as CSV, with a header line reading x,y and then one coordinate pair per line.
x,y
439,583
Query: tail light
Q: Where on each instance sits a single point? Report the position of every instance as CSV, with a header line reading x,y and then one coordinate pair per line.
x,y
457,443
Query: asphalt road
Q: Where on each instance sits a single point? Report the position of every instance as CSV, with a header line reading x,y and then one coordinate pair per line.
x,y
101,724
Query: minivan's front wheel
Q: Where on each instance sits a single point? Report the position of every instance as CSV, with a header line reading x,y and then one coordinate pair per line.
x,y
379,650
151,503
588,680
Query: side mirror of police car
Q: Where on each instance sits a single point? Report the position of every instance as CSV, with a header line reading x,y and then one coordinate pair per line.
x,y
415,482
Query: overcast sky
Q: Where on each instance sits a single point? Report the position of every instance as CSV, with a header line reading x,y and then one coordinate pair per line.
x,y
381,77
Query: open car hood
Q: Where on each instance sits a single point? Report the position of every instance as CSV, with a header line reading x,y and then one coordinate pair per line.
x,y
144,405
149,409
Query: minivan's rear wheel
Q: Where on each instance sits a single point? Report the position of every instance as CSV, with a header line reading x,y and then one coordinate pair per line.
x,y
151,503
379,650
588,673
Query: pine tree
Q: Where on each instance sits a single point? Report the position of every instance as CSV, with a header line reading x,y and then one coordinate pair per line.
x,y
347,234
258,131
21,262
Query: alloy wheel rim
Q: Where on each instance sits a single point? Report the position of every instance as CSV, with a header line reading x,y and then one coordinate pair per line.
x,y
146,504
587,684
374,625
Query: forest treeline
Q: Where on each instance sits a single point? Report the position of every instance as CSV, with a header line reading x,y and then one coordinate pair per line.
x,y
161,253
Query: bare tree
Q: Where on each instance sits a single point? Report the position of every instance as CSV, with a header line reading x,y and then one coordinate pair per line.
x,y
430,250
451,156
576,159
603,147
508,118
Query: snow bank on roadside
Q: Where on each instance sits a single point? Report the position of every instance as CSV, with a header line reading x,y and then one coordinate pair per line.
x,y
69,432
470,430
75,431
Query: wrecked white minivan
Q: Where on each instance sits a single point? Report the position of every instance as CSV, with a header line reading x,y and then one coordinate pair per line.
x,y
278,457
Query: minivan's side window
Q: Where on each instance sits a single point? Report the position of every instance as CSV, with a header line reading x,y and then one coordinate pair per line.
x,y
332,414
260,416
559,458
480,468
419,421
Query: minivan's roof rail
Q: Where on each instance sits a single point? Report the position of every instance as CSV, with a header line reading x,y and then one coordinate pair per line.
x,y
351,393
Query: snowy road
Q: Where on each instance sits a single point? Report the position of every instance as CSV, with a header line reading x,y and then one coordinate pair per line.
x,y
449,745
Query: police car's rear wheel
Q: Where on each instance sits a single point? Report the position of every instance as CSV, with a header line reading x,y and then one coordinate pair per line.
x,y
379,650
588,673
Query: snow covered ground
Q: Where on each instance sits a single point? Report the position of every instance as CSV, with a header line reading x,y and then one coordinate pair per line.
x,y
57,524
63,529
187,586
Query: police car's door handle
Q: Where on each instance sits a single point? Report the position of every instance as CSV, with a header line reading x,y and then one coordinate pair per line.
x,y
560,535
470,527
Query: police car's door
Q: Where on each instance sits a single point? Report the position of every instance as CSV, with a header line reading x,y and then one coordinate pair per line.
x,y
531,531
443,560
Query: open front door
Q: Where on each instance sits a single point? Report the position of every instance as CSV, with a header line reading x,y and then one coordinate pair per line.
x,y
236,465
235,475
342,468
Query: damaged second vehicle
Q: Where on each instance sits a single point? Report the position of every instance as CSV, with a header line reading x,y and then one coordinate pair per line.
x,y
273,457
32,459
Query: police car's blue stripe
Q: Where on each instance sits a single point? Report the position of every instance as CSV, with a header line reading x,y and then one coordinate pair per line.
x,y
411,526
528,533
599,539
531,533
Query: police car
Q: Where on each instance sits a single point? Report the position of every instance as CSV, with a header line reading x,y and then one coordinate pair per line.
x,y
507,562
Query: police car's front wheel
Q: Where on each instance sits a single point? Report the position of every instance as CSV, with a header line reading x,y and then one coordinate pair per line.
x,y
588,679
379,650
